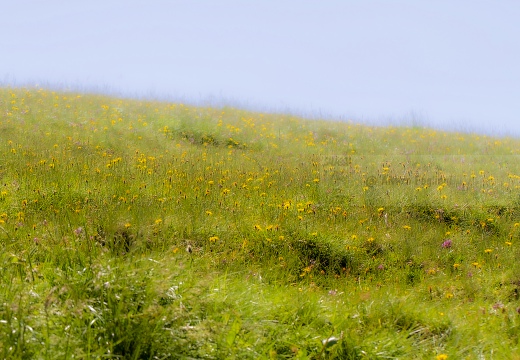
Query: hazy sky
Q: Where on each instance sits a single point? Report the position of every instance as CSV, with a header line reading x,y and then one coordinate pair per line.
x,y
444,63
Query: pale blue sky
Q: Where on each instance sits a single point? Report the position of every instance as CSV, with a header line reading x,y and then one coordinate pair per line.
x,y
444,63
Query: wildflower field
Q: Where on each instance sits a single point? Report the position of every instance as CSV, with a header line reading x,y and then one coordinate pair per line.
x,y
150,230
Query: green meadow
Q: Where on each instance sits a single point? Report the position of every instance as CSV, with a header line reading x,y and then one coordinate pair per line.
x,y
151,230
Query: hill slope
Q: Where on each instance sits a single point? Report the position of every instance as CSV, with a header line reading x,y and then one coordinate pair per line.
x,y
152,230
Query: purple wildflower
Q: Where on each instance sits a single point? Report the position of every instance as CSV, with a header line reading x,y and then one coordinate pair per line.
x,y
498,305
447,243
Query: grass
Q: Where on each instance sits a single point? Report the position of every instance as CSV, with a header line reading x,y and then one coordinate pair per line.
x,y
150,230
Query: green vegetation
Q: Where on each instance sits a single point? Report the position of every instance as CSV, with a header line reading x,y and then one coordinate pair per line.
x,y
148,230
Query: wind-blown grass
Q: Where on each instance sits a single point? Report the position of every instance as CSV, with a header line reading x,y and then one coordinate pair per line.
x,y
135,229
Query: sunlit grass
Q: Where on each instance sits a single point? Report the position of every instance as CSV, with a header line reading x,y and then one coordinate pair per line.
x,y
154,230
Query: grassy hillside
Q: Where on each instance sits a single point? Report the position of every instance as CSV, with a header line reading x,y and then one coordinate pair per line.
x,y
149,230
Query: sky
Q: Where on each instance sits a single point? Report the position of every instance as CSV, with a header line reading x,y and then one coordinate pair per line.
x,y
444,64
